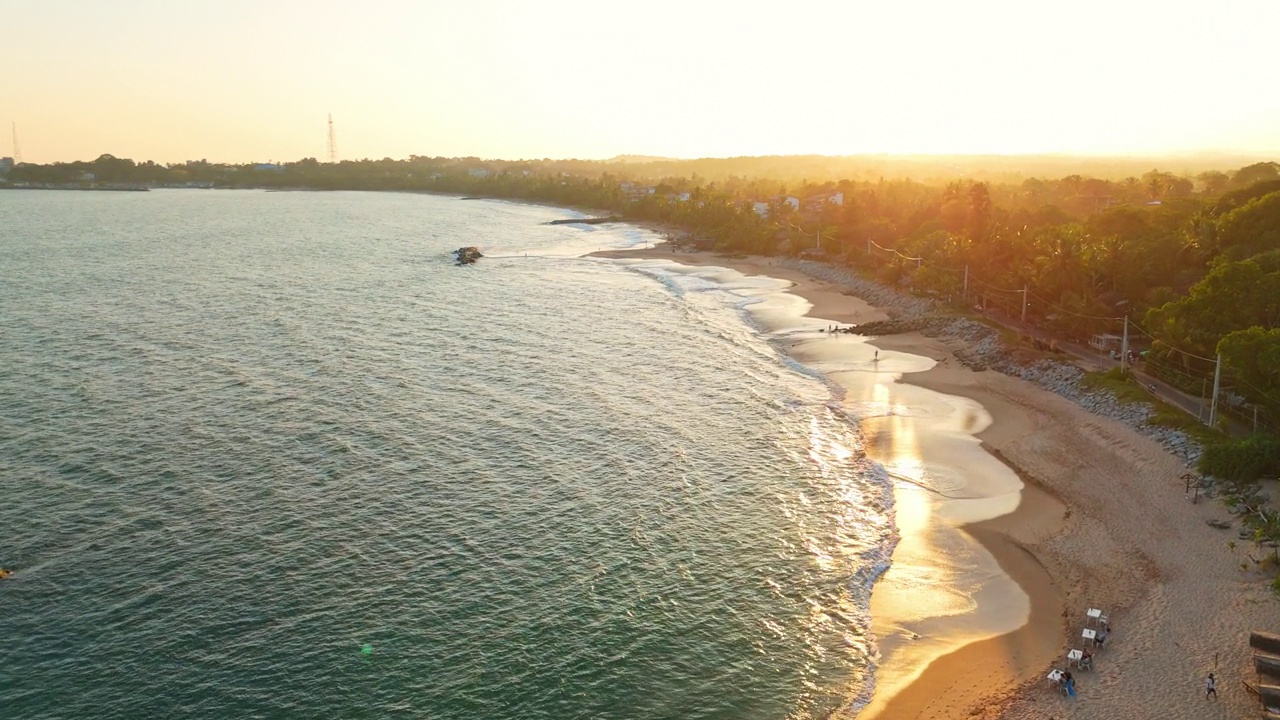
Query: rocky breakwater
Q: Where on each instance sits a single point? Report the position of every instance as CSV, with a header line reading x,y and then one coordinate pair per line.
x,y
585,221
981,348
467,255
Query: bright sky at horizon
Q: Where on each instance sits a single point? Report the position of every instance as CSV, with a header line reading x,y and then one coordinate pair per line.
x,y
242,80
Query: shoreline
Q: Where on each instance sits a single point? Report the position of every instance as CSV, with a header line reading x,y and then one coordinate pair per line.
x,y
1100,521
953,644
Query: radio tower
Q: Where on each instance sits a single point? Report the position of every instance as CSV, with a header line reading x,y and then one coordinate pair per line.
x,y
17,151
333,142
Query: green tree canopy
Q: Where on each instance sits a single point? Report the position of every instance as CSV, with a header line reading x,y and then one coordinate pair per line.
x,y
1233,296
1256,173
1251,229
1254,358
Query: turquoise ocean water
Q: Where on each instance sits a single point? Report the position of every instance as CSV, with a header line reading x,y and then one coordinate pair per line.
x,y
245,435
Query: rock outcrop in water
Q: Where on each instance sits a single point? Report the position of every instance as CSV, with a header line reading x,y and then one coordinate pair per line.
x,y
585,221
467,255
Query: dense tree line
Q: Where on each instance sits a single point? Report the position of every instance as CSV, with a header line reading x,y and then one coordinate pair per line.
x,y
1193,258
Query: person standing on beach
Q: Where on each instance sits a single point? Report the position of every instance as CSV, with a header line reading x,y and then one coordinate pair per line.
x,y
1210,687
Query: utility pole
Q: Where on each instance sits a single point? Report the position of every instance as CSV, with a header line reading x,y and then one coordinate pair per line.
x,y
1124,348
1024,303
965,293
333,142
17,151
1213,404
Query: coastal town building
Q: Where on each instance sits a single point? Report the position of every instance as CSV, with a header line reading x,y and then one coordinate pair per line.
x,y
633,190
814,202
761,207
1105,341
6,164
478,173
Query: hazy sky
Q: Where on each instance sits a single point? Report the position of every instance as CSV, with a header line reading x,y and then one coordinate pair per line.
x,y
239,80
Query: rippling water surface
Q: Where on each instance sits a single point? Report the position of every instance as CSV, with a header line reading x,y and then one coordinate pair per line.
x,y
269,455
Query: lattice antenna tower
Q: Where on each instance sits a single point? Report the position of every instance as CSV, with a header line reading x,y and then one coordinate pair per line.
x,y
17,150
333,142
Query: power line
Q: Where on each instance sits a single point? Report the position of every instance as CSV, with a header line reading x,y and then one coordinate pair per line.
x,y
1026,292
974,278
1258,390
1171,346
1072,312
1169,366
895,252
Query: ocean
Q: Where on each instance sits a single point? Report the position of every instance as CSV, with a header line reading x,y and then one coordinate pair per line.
x,y
273,455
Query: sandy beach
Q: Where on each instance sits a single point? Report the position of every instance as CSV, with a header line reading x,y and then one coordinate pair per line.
x,y
1019,510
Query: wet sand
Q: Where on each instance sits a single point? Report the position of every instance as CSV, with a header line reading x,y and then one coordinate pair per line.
x,y
979,605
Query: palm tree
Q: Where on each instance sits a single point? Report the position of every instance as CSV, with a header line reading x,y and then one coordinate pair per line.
x,y
1061,260
1155,187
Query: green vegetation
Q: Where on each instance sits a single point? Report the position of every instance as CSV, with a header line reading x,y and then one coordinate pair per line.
x,y
1192,259
1244,461
1128,391
1122,386
1171,417
1239,465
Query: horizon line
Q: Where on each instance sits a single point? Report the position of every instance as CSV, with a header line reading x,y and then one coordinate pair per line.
x,y
640,158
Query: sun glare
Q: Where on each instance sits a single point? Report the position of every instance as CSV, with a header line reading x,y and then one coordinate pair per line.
x,y
576,79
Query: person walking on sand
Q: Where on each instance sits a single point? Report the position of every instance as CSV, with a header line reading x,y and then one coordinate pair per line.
x,y
1210,687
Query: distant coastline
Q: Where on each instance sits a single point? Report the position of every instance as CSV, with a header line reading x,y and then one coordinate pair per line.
x,y
94,188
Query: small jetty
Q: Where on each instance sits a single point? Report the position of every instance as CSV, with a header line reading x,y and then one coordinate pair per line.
x,y
586,221
467,255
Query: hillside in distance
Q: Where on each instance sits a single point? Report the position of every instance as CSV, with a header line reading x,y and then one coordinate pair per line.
x,y
929,168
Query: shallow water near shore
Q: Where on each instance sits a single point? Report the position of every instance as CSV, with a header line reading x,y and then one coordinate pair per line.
x,y
944,590
249,434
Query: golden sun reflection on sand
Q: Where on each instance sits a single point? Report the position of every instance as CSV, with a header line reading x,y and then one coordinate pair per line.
x,y
923,582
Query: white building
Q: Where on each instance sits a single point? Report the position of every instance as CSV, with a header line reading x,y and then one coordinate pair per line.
x,y
635,191
478,173
762,208
827,198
